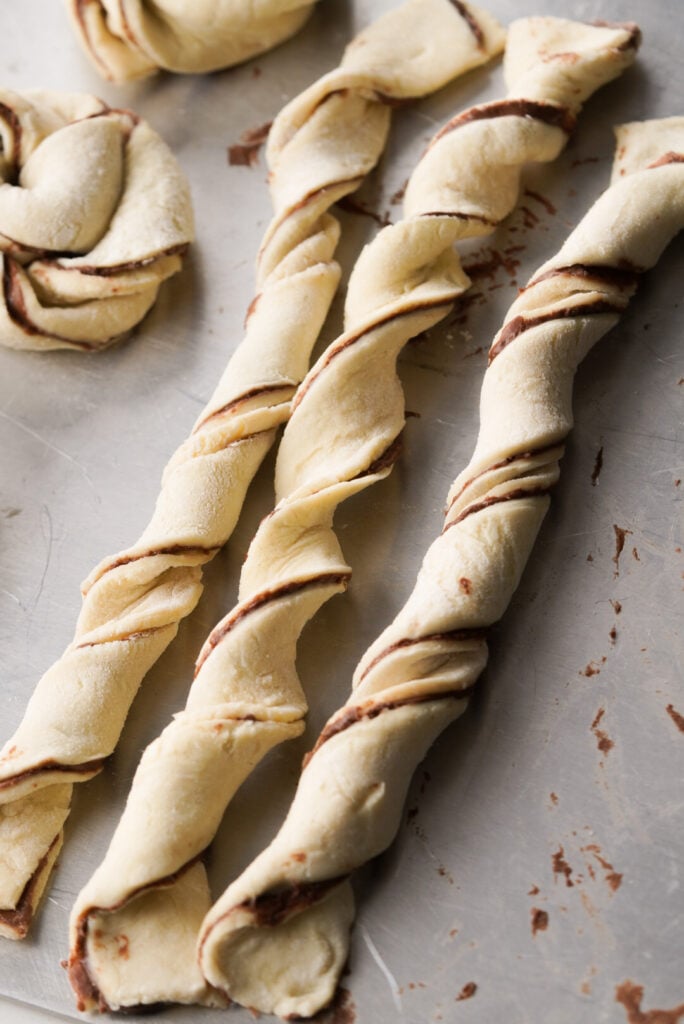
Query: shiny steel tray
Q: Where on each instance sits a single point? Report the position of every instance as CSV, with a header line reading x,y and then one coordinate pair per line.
x,y
541,851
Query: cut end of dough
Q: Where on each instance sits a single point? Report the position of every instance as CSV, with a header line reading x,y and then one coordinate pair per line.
x,y
290,968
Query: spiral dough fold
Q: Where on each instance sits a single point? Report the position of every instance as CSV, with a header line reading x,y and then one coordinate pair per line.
x,y
321,147
95,214
285,922
343,435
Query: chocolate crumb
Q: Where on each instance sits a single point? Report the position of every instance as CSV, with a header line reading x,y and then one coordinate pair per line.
x,y
598,466
613,635
534,891
554,798
590,557
676,717
560,866
603,740
590,670
629,996
245,152
540,920
467,992
617,606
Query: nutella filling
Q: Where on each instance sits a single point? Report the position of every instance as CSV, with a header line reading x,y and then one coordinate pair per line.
x,y
496,499
519,324
18,918
90,767
454,635
225,627
550,113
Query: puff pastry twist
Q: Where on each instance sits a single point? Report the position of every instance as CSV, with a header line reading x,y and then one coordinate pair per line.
x,y
342,436
94,214
127,39
278,938
321,146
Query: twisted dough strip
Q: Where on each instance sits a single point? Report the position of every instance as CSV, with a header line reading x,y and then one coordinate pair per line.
x,y
322,145
94,214
287,917
342,437
128,39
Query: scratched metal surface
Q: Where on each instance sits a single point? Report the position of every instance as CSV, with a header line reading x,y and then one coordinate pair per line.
x,y
560,790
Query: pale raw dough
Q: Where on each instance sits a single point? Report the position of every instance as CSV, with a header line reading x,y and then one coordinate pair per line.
x,y
417,675
127,39
95,214
134,601
348,413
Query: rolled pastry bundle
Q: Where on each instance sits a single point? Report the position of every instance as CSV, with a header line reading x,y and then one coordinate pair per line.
x,y
94,214
322,145
348,414
128,39
277,939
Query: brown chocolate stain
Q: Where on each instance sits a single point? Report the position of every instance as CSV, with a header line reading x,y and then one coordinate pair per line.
x,y
613,633
546,203
613,878
635,555
676,717
467,992
539,920
397,196
341,1011
590,557
466,585
554,799
560,866
488,262
620,537
603,740
534,891
122,946
617,606
592,669
629,995
598,466
245,152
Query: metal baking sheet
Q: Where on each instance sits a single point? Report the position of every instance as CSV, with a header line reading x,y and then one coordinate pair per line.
x,y
560,792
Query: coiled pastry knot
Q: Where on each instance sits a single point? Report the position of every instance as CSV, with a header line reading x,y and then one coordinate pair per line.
x,y
94,214
128,39
278,938
134,601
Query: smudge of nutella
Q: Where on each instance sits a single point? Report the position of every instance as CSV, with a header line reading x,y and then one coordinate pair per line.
x,y
603,741
620,537
519,324
245,152
598,466
467,992
120,268
629,996
265,597
560,866
676,717
539,920
272,908
387,459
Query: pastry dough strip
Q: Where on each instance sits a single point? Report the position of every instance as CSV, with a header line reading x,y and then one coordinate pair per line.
x,y
278,939
342,437
320,148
